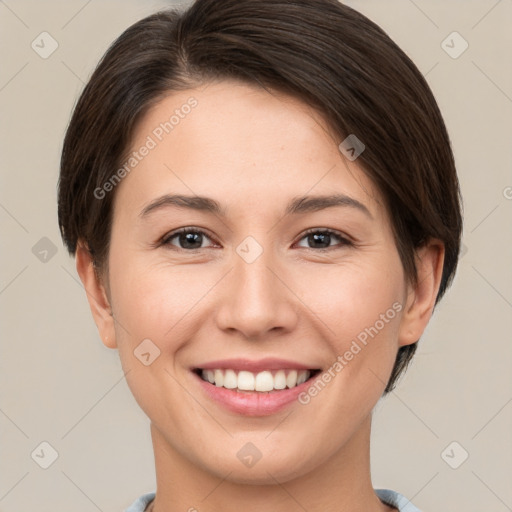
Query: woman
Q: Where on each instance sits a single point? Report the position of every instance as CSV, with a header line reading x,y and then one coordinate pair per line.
x,y
264,209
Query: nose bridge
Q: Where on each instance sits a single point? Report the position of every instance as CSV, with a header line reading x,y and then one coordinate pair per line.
x,y
257,300
255,280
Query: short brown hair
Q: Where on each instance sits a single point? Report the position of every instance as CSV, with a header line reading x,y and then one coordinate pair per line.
x,y
320,51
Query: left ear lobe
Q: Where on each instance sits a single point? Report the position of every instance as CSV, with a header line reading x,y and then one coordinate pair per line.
x,y
421,298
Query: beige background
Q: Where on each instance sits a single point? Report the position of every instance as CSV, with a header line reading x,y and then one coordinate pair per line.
x,y
58,382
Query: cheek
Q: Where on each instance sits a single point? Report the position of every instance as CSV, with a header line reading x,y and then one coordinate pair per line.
x,y
350,298
360,307
158,302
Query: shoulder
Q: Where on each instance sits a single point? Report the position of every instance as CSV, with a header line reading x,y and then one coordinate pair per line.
x,y
396,499
141,503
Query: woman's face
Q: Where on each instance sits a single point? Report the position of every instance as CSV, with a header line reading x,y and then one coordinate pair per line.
x,y
246,288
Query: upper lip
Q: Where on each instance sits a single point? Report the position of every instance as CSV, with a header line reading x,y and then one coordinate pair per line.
x,y
254,366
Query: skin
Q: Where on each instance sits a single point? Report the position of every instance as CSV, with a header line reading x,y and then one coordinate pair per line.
x,y
253,151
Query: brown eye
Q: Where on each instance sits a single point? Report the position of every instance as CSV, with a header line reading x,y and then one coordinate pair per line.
x,y
322,238
187,238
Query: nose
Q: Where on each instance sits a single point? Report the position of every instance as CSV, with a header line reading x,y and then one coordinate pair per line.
x,y
257,301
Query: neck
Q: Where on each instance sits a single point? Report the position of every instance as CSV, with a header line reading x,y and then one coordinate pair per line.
x,y
342,483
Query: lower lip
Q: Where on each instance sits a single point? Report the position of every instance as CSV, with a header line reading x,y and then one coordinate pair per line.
x,y
252,403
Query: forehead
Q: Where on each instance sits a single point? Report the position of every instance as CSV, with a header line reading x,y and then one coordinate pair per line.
x,y
240,144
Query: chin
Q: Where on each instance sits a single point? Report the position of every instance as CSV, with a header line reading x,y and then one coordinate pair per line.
x,y
268,469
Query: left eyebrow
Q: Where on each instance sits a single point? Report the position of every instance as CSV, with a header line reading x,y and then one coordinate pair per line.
x,y
298,205
306,204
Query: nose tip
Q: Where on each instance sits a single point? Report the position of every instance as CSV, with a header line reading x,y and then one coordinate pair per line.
x,y
256,300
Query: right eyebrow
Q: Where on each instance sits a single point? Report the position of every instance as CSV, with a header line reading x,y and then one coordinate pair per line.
x,y
181,201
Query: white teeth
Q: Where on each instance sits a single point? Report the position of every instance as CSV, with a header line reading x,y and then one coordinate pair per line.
x,y
219,378
280,380
245,381
264,381
301,378
291,379
230,379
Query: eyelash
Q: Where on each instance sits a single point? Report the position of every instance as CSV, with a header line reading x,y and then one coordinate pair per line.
x,y
166,240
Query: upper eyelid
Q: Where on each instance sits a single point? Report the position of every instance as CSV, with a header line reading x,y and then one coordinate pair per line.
x,y
323,230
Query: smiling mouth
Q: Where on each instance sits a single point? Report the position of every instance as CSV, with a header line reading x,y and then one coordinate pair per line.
x,y
267,381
